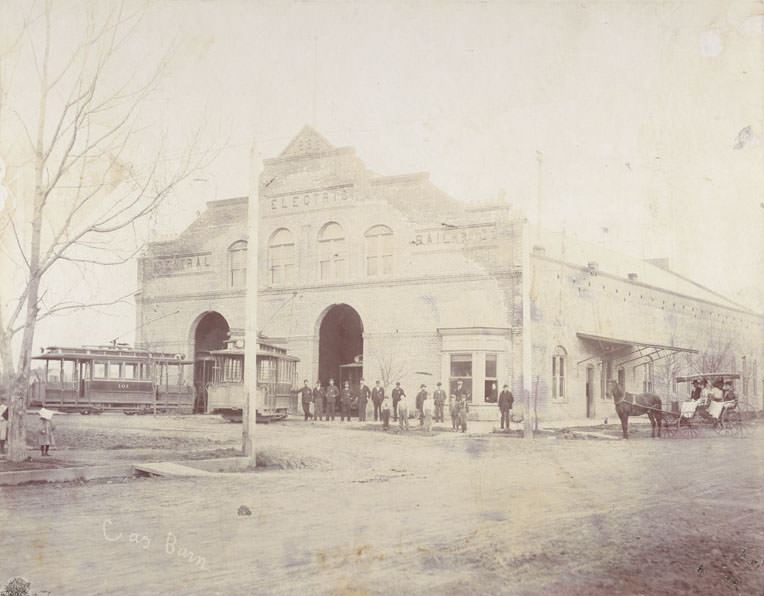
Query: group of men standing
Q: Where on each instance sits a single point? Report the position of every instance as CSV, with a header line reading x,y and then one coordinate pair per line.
x,y
324,403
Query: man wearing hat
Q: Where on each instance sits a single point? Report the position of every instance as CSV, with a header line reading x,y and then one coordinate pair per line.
x,y
397,392
363,396
440,399
319,401
346,399
506,399
377,395
307,398
331,399
420,397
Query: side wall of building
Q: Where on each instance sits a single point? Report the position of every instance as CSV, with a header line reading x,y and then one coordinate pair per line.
x,y
571,299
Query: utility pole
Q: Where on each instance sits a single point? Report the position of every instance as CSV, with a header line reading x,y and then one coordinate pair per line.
x,y
249,419
528,424
540,160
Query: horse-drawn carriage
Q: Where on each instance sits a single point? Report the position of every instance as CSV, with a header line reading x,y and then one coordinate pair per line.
x,y
712,404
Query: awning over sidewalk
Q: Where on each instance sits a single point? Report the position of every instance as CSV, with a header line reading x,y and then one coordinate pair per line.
x,y
624,348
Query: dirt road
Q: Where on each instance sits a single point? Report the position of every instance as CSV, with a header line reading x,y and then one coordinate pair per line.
x,y
409,514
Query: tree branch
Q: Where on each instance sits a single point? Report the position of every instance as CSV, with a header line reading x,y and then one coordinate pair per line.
x,y
65,306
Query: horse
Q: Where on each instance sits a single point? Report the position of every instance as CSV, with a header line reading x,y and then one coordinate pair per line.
x,y
629,404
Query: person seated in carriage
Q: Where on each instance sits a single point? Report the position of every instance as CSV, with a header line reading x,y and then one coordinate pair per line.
x,y
716,393
698,386
729,392
721,398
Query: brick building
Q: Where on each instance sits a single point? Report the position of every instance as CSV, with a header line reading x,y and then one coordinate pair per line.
x,y
392,274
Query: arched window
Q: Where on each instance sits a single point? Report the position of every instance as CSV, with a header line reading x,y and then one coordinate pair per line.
x,y
331,251
281,259
237,264
558,373
379,251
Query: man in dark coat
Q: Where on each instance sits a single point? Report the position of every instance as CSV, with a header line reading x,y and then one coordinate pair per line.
x,y
420,397
331,399
506,399
440,399
397,392
307,398
319,400
363,396
346,399
377,395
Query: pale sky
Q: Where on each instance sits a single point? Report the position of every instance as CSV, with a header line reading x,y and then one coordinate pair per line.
x,y
637,108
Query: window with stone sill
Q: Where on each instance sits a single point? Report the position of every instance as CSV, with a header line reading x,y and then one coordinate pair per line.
x,y
281,258
490,384
237,264
558,374
379,251
332,254
461,370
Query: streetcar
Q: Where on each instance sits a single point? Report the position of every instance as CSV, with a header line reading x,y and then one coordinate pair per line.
x,y
93,379
276,381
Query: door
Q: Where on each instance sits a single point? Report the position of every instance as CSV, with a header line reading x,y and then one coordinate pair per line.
x,y
590,392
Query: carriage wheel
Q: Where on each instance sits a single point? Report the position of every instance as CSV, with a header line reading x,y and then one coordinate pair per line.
x,y
684,428
733,423
670,425
719,427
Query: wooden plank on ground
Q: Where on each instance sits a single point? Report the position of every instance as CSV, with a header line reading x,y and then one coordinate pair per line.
x,y
169,469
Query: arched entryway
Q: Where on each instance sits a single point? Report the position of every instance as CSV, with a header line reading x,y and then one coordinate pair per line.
x,y
340,342
210,334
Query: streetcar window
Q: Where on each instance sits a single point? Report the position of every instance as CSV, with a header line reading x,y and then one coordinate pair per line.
x,y
115,370
130,370
173,374
54,371
99,370
68,371
266,370
232,372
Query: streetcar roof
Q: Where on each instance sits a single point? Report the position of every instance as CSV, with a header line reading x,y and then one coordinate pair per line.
x,y
108,353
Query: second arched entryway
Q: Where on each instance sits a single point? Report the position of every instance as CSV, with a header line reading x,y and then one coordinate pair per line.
x,y
211,332
340,343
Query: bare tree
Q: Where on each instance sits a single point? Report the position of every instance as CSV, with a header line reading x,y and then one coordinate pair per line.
x,y
96,168
394,363
718,357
